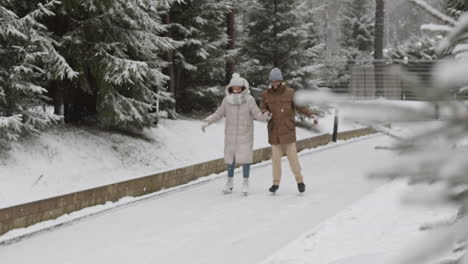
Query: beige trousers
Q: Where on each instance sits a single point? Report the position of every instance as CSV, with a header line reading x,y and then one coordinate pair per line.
x,y
291,152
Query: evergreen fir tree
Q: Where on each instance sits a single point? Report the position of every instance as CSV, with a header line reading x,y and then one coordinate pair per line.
x,y
278,37
435,154
201,61
201,25
415,48
28,60
455,8
307,65
358,27
117,47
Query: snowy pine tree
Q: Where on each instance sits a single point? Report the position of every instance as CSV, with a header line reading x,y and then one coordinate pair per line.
x,y
28,60
415,48
455,8
201,60
307,68
356,42
279,34
438,154
117,47
201,25
357,27
435,154
211,53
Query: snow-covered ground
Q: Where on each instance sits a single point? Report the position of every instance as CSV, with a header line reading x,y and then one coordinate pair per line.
x,y
380,228
69,159
388,226
344,218
200,225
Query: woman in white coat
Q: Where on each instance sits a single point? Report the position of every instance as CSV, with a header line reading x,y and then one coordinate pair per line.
x,y
240,110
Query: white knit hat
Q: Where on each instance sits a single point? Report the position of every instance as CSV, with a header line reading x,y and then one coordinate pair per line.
x,y
237,80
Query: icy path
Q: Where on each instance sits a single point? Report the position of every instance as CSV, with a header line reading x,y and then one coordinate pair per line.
x,y
382,228
200,225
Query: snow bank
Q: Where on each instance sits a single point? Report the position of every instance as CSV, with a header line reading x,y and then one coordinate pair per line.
x,y
70,159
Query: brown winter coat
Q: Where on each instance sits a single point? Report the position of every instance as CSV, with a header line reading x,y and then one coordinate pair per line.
x,y
239,127
282,126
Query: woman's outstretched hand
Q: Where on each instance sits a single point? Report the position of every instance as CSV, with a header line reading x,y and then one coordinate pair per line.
x,y
204,126
267,115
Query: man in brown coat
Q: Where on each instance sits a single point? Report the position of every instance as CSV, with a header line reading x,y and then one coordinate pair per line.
x,y
278,99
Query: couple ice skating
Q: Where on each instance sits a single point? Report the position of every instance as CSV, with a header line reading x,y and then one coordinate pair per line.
x,y
240,110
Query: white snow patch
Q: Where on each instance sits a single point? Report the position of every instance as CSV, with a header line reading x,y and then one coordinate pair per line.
x,y
377,229
70,159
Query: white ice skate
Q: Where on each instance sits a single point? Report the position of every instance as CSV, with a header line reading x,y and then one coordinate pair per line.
x,y
229,186
245,187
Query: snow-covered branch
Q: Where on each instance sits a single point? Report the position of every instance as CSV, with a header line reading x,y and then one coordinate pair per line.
x,y
455,36
380,111
437,29
434,12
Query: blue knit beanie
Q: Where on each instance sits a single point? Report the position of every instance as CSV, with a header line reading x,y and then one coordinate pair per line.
x,y
276,75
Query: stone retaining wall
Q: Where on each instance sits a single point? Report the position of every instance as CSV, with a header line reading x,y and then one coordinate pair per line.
x,y
31,213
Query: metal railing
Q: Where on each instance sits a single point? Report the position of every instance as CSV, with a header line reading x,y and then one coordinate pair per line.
x,y
369,79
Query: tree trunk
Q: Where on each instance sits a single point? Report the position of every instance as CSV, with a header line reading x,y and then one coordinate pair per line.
x,y
59,98
231,32
331,27
275,34
379,45
170,59
327,35
178,82
379,29
58,24
171,64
